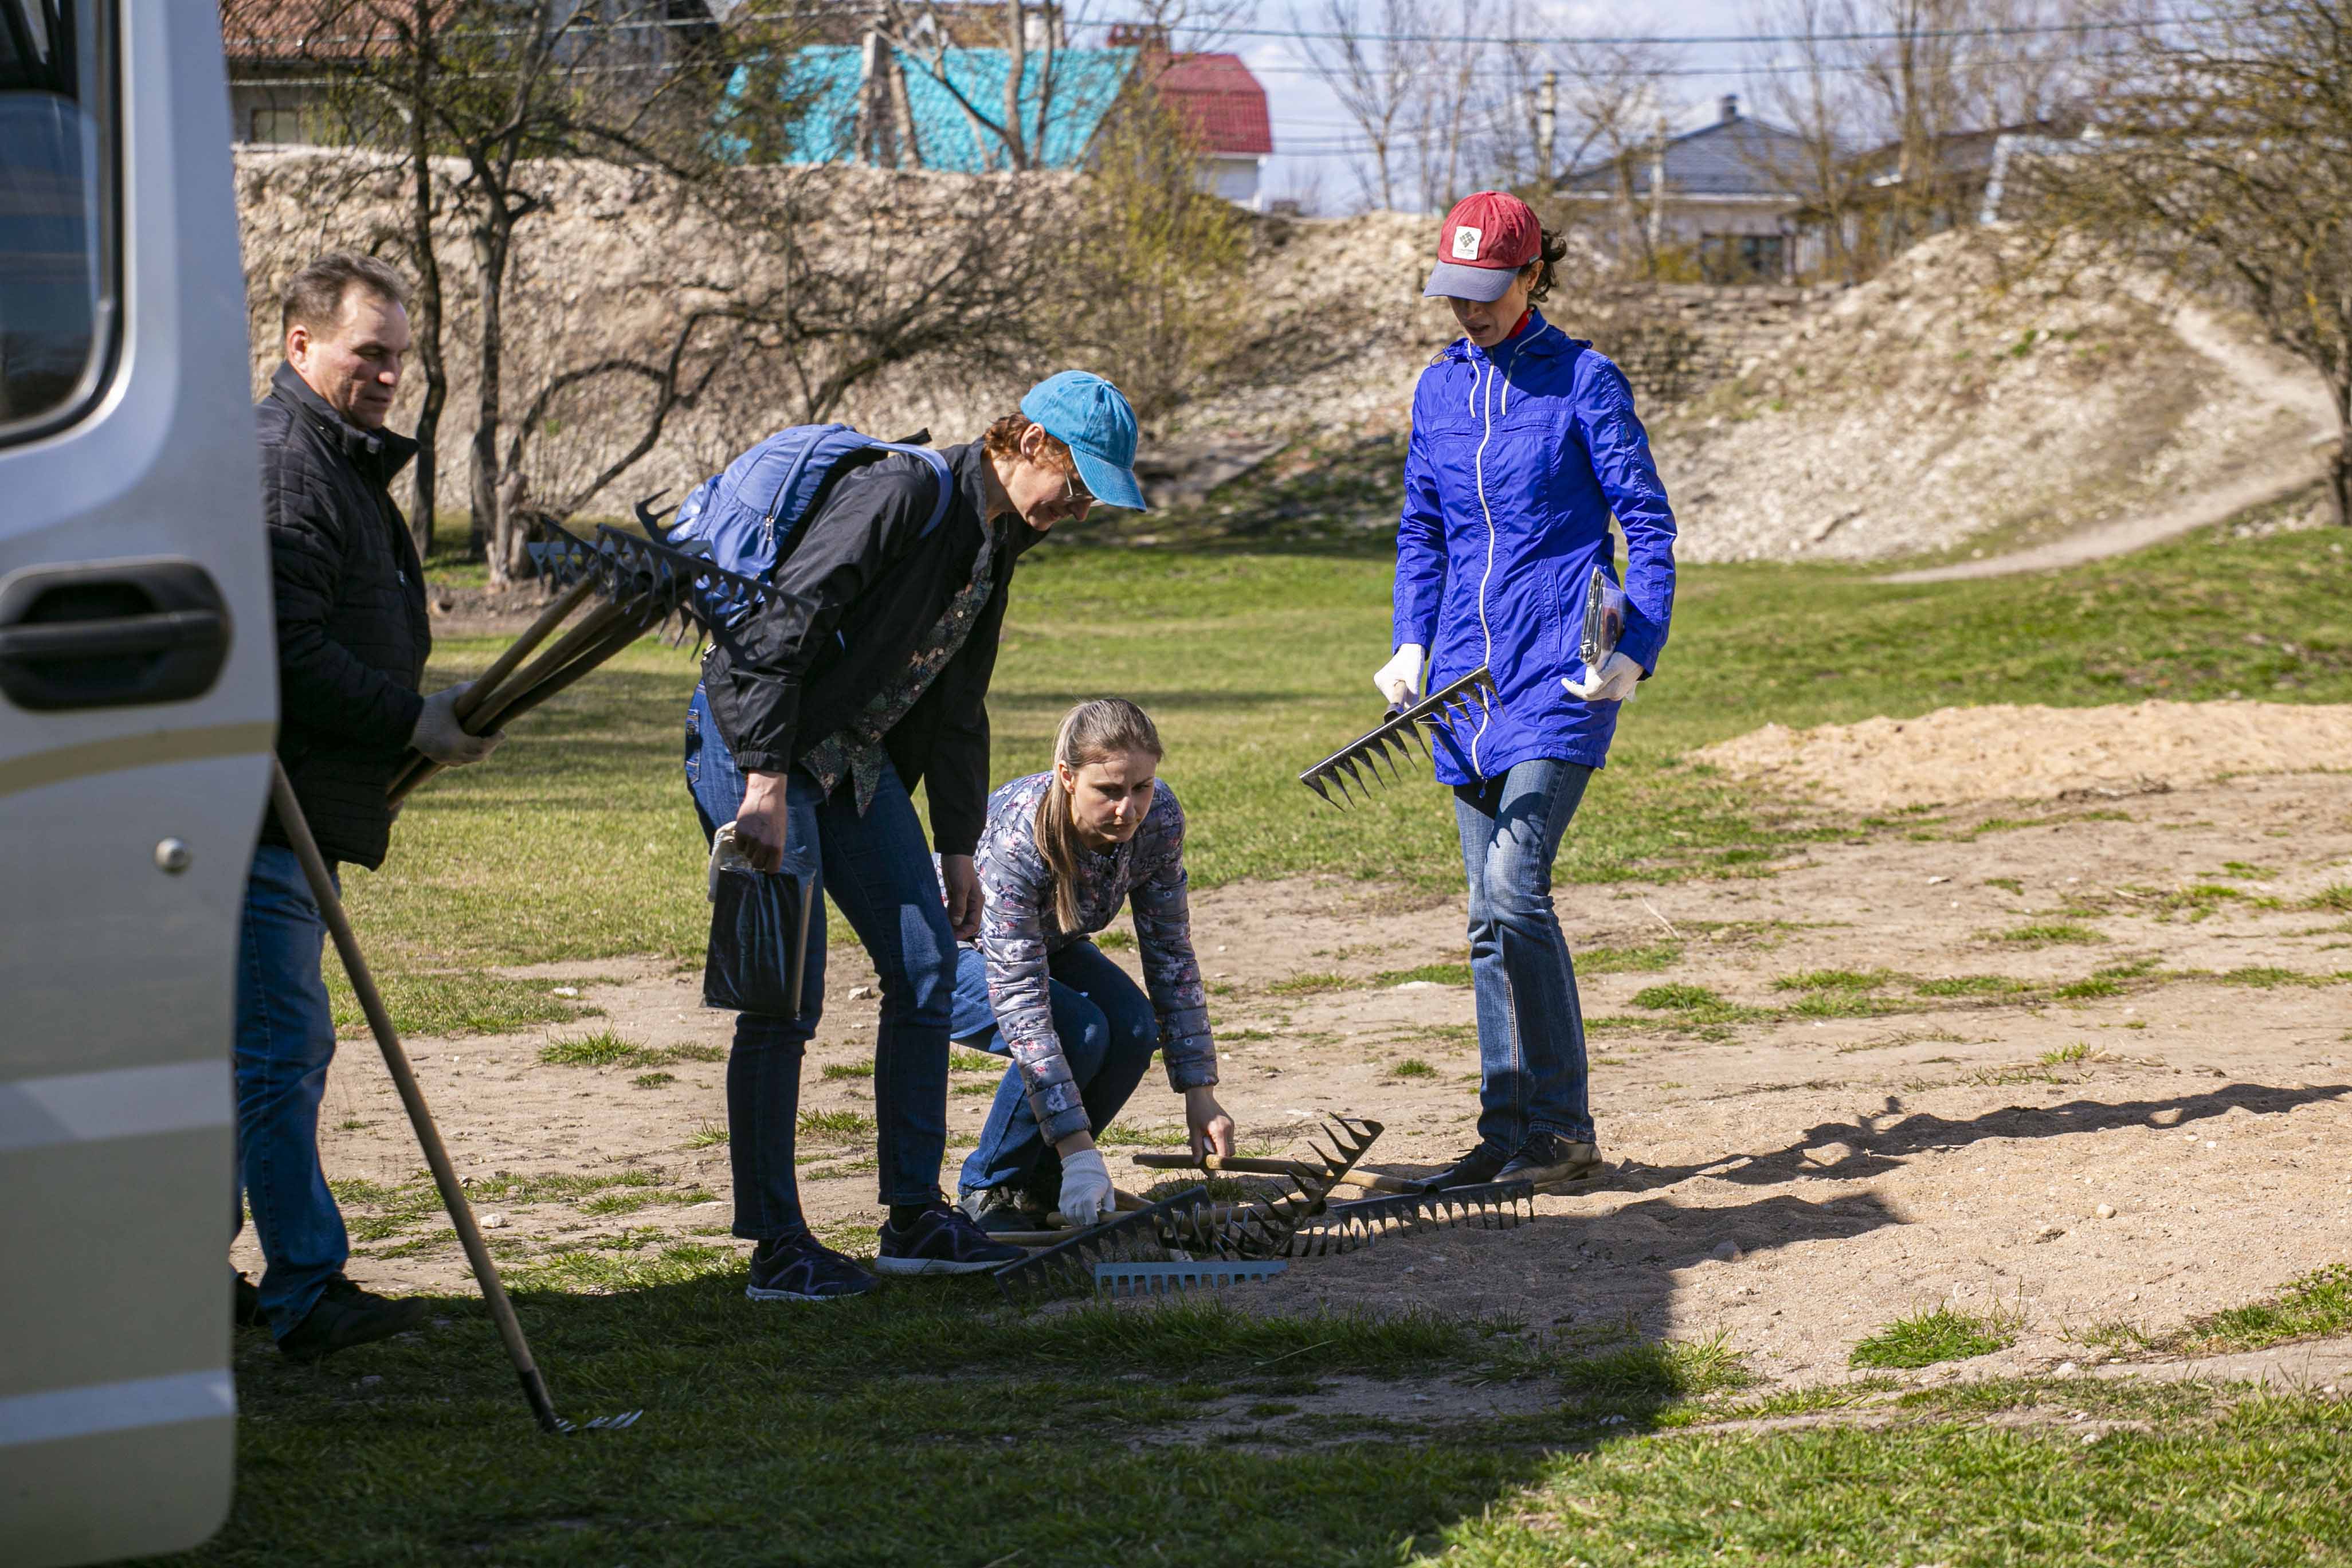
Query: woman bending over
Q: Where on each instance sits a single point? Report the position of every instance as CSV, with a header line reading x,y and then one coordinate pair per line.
x,y
1062,850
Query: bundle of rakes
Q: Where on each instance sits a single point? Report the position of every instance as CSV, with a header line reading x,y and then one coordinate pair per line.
x,y
611,590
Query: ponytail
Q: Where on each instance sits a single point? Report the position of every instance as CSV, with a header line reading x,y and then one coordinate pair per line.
x,y
1090,732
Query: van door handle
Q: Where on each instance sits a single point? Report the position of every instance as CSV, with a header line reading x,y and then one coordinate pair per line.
x,y
114,635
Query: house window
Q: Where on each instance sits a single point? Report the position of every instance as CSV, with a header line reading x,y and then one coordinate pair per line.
x,y
1742,257
277,125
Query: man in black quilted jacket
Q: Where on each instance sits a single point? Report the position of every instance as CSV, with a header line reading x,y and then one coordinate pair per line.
x,y
351,643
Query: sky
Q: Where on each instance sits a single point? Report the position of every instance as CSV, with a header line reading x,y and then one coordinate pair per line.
x,y
1310,126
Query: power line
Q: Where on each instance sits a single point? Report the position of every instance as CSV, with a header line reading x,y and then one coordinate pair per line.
x,y
2040,29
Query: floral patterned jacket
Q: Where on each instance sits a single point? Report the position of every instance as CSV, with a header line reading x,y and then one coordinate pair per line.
x,y
1018,935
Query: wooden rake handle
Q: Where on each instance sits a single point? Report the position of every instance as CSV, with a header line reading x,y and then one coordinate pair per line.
x,y
1241,1164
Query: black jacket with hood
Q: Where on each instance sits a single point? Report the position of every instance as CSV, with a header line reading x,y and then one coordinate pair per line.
x,y
351,630
861,586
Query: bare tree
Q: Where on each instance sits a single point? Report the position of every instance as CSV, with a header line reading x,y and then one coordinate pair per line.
x,y
1808,89
2224,154
1375,71
1612,104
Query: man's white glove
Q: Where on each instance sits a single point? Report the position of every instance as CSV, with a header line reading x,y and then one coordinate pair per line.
x,y
1399,679
1086,1194
439,736
1613,683
725,855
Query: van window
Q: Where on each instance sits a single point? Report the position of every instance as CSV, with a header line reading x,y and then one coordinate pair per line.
x,y
57,298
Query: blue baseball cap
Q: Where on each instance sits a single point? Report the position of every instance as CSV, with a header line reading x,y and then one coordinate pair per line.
x,y
1093,419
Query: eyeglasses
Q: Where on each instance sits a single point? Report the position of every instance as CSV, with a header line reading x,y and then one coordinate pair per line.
x,y
1073,493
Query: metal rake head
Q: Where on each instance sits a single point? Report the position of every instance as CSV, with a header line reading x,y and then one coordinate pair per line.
x,y
627,1418
1494,1205
654,583
1138,1236
1396,738
1266,1230
1175,1278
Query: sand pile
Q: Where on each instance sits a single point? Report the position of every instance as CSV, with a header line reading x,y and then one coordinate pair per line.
x,y
2004,752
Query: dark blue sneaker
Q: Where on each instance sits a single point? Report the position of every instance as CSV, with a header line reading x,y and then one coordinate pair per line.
x,y
804,1270
941,1240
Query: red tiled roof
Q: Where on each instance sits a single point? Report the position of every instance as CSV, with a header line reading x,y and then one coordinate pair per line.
x,y
1220,102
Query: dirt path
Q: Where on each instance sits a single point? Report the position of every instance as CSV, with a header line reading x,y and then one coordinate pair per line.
x,y
2159,1143
2265,377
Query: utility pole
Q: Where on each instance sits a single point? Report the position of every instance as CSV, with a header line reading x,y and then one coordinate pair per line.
x,y
1657,195
1546,127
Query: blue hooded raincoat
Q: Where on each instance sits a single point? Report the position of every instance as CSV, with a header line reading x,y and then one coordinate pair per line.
x,y
1517,460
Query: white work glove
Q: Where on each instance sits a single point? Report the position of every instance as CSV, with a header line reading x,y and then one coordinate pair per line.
x,y
1399,679
1086,1194
725,855
440,737
1613,683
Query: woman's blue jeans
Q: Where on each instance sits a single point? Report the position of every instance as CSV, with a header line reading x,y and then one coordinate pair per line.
x,y
1531,1064
1109,1033
285,1041
878,869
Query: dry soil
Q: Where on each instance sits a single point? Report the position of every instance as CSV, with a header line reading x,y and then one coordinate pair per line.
x,y
2142,1156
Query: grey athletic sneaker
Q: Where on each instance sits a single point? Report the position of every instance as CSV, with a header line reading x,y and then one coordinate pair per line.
x,y
1552,1163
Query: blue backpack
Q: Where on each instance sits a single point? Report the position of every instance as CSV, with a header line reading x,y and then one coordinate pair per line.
x,y
748,519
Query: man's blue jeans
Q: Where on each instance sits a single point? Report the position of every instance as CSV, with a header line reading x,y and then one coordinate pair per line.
x,y
285,1039
878,869
1531,1064
1109,1033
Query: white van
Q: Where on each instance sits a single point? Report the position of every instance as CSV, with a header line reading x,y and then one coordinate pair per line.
x,y
138,700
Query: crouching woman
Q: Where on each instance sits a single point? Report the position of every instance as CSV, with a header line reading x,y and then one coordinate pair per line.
x,y
1062,851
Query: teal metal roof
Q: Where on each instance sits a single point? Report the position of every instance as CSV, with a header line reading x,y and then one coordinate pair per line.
x,y
1085,83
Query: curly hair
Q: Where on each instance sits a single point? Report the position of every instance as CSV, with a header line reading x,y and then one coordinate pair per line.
x,y
1002,441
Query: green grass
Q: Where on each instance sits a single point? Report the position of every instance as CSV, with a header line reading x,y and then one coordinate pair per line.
x,y
2318,1303
775,1434
836,1126
1434,973
1677,998
1943,1335
1645,958
2047,933
2337,898
606,1050
1313,984
958,1061
1412,1066
1972,985
1834,980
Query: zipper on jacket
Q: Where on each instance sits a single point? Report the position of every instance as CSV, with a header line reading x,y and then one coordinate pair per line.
x,y
1478,473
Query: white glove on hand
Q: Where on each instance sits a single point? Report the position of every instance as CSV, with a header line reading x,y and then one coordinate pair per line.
x,y
725,855
1614,682
439,736
1086,1194
1400,679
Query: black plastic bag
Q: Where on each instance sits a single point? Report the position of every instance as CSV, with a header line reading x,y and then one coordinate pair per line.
x,y
758,941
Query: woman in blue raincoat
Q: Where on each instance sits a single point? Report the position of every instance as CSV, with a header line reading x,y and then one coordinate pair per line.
x,y
1524,444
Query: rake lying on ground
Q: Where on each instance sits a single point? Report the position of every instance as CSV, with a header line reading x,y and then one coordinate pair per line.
x,y
1395,738
1494,1205
615,588
1402,1207
1188,1227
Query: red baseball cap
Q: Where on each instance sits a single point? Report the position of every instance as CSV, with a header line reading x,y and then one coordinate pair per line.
x,y
1487,237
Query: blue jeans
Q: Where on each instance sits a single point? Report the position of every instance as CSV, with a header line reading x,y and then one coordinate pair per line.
x,y
878,869
1531,1066
285,1039
1109,1033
